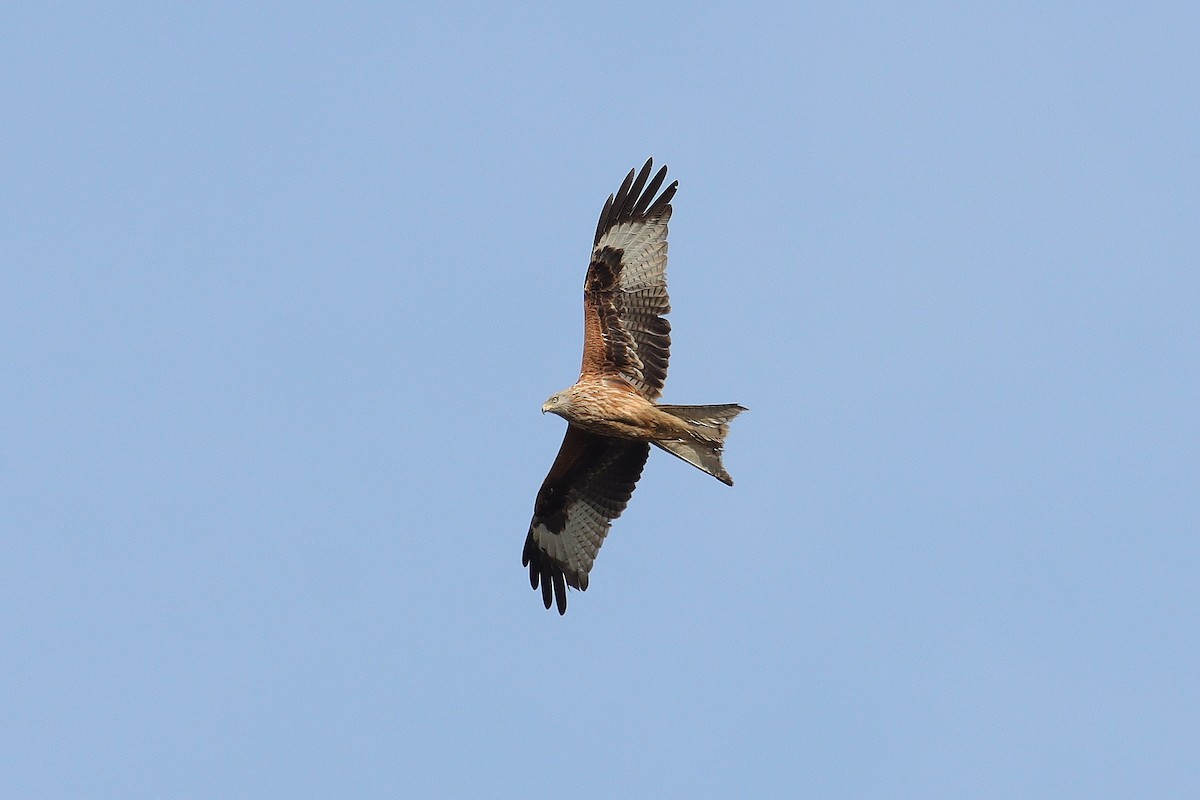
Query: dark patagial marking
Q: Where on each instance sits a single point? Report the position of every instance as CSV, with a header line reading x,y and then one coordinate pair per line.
x,y
605,270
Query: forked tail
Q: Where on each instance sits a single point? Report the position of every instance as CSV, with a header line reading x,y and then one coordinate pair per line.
x,y
708,425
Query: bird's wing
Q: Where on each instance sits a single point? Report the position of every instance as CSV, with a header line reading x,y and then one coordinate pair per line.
x,y
586,489
625,291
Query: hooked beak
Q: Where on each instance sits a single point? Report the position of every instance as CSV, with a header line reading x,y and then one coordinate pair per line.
x,y
545,407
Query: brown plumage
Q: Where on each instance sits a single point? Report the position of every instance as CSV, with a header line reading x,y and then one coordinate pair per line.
x,y
611,410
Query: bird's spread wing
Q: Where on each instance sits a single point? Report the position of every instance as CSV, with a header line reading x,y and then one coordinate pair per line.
x,y
625,292
587,488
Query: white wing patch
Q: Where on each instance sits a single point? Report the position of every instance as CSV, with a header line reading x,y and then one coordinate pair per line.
x,y
576,547
644,244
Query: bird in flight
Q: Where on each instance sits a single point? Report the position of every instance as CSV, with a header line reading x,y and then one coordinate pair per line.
x,y
612,411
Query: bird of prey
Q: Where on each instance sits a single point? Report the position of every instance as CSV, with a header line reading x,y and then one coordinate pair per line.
x,y
612,411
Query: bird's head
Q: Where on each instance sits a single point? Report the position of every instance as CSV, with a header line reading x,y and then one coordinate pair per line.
x,y
557,402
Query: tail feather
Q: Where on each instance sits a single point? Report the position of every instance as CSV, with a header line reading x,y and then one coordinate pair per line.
x,y
709,426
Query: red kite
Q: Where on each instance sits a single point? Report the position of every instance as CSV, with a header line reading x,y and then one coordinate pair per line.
x,y
611,411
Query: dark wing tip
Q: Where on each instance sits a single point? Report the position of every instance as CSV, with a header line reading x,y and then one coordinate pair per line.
x,y
547,575
560,592
602,225
636,199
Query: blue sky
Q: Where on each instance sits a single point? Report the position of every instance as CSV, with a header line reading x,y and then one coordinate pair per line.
x,y
285,287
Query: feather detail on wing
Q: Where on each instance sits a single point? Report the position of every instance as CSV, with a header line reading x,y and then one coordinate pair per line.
x,y
588,487
625,292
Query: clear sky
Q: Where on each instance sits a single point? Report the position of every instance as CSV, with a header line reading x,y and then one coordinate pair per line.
x,y
283,291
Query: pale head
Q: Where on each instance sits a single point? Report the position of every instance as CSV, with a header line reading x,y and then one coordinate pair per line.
x,y
558,403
